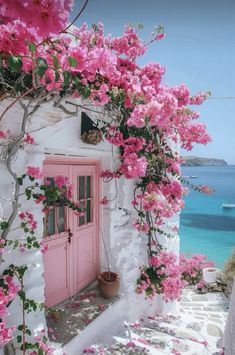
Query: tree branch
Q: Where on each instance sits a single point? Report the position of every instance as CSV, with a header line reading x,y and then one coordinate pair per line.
x,y
78,15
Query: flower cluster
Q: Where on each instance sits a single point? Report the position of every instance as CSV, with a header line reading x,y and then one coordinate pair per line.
x,y
163,200
191,268
162,276
8,291
148,117
53,191
40,18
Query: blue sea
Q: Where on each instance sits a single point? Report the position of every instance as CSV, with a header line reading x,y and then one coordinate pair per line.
x,y
206,227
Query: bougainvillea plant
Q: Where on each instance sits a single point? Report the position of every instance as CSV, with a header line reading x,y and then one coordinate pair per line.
x,y
162,276
191,268
43,59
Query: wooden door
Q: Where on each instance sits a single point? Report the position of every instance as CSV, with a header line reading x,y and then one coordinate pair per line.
x,y
85,228
70,264
57,260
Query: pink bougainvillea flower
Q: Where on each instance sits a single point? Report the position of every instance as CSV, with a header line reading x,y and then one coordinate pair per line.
x,y
46,210
79,213
101,307
29,139
130,344
21,215
160,36
44,248
104,201
61,181
22,248
141,226
40,199
4,134
46,17
34,172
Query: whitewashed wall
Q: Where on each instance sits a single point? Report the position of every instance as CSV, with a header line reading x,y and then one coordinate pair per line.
x,y
59,134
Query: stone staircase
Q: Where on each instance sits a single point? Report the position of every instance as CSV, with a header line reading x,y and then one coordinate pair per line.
x,y
195,331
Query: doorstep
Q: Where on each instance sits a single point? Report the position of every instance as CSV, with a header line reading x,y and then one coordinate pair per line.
x,y
69,318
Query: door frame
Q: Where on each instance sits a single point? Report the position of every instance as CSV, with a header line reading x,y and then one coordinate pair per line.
x,y
76,161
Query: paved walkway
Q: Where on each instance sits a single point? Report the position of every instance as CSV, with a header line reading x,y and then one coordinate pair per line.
x,y
70,317
196,332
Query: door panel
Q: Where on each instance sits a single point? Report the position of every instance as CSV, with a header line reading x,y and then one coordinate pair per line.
x,y
85,228
69,267
57,261
56,271
84,252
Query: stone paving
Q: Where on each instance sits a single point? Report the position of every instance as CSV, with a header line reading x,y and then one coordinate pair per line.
x,y
69,318
196,331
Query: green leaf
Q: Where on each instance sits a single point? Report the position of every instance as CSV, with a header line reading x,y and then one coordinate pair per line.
x,y
32,47
57,76
22,269
0,61
28,193
3,225
21,294
85,91
20,327
77,82
18,87
31,178
41,66
15,63
67,78
28,331
19,338
20,180
56,62
72,62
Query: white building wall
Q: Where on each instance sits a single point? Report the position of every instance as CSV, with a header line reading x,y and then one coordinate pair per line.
x,y
59,134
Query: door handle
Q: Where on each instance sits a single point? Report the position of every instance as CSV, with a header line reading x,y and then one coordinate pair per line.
x,y
70,234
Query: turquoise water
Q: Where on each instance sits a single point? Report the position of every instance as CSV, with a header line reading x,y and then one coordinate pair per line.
x,y
205,227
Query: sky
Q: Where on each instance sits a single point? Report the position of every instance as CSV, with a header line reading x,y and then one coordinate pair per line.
x,y
199,50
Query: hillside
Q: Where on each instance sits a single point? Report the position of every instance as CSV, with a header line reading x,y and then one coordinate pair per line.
x,y
197,161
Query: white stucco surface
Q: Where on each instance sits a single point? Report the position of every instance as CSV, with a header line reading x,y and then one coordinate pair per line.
x,y
57,134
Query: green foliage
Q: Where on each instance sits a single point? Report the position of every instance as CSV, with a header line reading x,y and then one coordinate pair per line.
x,y
3,225
57,76
67,78
15,63
32,47
56,62
20,181
72,61
85,91
41,66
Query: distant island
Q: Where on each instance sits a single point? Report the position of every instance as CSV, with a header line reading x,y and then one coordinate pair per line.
x,y
196,161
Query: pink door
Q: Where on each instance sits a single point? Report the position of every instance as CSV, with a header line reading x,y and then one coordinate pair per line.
x,y
85,228
71,262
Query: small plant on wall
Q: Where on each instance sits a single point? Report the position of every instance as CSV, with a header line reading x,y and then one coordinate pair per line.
x,y
90,133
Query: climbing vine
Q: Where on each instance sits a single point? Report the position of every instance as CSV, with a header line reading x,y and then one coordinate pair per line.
x,y
44,60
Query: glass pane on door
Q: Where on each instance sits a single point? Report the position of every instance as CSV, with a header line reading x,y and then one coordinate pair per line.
x,y
85,198
50,222
55,220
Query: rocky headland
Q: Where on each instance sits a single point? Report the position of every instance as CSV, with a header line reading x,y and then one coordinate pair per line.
x,y
197,161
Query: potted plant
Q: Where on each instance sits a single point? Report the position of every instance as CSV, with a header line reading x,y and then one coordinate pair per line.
x,y
210,275
108,281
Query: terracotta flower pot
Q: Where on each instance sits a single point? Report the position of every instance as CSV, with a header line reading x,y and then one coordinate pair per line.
x,y
108,284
